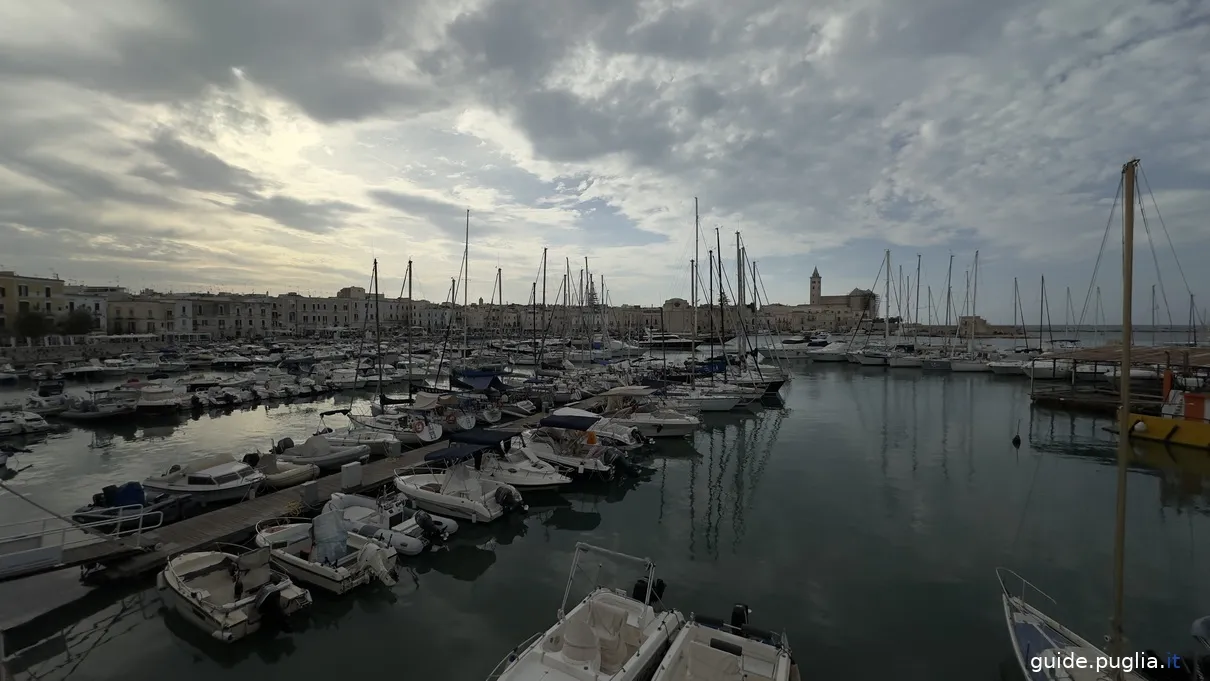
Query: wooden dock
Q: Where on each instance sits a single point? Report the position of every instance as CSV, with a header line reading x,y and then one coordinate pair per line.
x,y
1093,399
237,523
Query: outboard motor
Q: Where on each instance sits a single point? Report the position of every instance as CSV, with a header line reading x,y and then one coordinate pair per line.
x,y
432,531
252,459
510,499
639,591
739,615
478,457
283,444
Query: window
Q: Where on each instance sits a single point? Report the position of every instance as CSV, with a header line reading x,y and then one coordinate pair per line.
x,y
226,478
199,480
3,293
47,291
22,291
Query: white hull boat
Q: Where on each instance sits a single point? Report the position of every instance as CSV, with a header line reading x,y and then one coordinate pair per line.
x,y
22,423
228,596
321,553
457,492
568,452
1006,368
319,451
390,523
707,648
904,361
609,636
214,479
497,461
659,423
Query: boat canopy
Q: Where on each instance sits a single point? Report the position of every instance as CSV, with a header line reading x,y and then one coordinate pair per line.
x,y
569,422
480,383
483,437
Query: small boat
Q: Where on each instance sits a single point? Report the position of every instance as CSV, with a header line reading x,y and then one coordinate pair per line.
x,y
317,450
214,479
279,474
708,648
391,522
518,409
229,596
155,398
22,423
320,552
501,463
606,430
608,636
98,407
128,508
571,446
380,443
456,491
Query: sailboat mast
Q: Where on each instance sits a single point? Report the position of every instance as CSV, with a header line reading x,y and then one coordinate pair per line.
x,y
542,349
411,321
1116,637
710,299
974,302
722,301
697,258
948,298
886,307
466,278
1015,299
916,333
377,332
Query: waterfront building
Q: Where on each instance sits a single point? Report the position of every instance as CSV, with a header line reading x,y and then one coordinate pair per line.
x,y
19,293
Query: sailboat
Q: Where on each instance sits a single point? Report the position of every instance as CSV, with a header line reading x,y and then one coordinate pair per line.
x,y
1045,649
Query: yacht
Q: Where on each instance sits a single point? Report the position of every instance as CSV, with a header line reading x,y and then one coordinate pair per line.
x,y
610,635
667,341
22,423
500,462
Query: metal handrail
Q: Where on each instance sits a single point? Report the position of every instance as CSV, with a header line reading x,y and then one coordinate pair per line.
x,y
69,525
1002,571
512,656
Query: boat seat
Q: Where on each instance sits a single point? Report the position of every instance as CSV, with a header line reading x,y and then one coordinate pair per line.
x,y
254,570
608,623
580,644
704,663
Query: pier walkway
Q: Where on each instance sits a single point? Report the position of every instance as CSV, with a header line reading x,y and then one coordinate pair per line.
x,y
150,550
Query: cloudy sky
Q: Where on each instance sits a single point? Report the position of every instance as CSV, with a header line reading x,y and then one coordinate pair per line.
x,y
282,145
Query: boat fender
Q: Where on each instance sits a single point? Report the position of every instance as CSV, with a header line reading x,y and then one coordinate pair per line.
x,y
509,498
727,647
591,438
739,615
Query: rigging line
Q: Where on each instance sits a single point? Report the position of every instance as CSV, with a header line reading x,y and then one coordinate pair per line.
x,y
1164,227
1159,275
1100,254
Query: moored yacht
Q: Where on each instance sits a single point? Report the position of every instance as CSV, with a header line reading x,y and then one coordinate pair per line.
x,y
457,491
213,479
500,462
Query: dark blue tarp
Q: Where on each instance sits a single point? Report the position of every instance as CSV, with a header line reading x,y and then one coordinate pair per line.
x,y
482,437
453,453
480,383
569,422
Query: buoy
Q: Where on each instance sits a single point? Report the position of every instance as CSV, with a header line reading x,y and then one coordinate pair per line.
x,y
1016,441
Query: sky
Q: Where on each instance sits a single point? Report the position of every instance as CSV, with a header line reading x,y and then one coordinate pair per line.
x,y
261,145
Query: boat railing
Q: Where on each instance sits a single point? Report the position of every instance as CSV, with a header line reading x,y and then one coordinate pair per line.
x,y
1026,586
512,656
421,468
31,545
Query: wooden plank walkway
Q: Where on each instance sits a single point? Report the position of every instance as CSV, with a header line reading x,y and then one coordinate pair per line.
x,y
237,522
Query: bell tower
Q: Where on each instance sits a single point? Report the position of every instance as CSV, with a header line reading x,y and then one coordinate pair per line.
x,y
816,287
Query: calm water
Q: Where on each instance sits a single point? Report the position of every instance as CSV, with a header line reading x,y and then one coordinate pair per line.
x,y
866,519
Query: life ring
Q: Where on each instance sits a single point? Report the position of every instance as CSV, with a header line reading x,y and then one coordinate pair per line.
x,y
591,438
417,426
451,418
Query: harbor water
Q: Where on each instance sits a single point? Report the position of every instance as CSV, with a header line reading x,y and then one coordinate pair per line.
x,y
865,518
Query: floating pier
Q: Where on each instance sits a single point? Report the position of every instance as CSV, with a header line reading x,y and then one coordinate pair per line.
x,y
1096,392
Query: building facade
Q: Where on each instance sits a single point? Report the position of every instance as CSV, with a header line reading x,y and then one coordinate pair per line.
x,y
20,294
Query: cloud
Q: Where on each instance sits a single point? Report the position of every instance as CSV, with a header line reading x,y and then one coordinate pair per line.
x,y
825,132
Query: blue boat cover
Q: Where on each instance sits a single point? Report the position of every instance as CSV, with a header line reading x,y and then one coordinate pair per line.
x,y
129,494
569,422
480,383
482,437
453,453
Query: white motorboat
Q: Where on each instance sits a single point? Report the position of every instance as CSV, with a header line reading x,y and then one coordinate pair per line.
x,y
320,552
1047,369
708,648
609,636
390,522
226,595
157,398
213,479
99,406
499,462
572,446
1007,367
280,474
606,430
690,397
319,451
456,491
22,423
519,409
